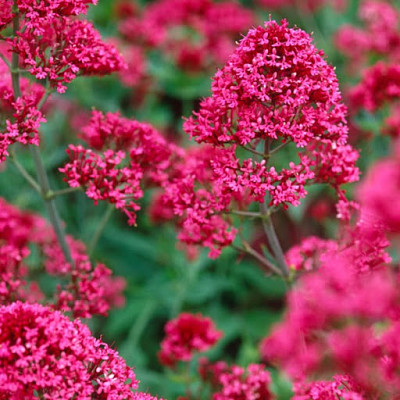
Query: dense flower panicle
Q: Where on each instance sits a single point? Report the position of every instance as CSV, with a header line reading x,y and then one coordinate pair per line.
x,y
104,177
379,36
37,13
43,352
307,255
341,387
144,144
22,117
380,85
186,335
278,86
79,51
321,333
231,382
379,192
245,384
270,87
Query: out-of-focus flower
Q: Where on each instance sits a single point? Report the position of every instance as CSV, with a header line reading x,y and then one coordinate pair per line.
x,y
186,335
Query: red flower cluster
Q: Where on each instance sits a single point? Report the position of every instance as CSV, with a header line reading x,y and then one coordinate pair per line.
x,y
103,173
88,290
341,387
277,86
23,119
192,184
185,335
306,256
334,324
104,178
380,190
234,382
380,85
54,46
44,353
80,51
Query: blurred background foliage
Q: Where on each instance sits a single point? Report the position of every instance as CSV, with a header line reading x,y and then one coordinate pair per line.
x,y
161,280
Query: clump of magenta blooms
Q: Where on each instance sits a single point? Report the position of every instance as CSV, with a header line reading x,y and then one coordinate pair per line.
x,y
273,91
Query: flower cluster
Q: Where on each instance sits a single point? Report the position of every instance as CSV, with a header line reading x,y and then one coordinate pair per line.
x,y
306,256
80,51
380,85
52,45
234,382
341,387
23,119
87,289
380,190
124,156
277,88
333,325
104,178
185,335
44,353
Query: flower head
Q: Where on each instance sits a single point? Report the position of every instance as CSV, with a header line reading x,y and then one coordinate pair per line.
x,y
185,335
42,351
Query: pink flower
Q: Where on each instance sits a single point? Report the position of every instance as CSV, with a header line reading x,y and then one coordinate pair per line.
x,y
341,387
104,177
277,88
185,335
81,51
341,319
380,85
42,351
306,255
380,190
245,384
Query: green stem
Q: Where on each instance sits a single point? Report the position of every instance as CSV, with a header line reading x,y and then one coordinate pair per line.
x,y
269,229
100,229
44,98
54,216
61,192
247,249
5,60
37,158
246,213
273,240
29,178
